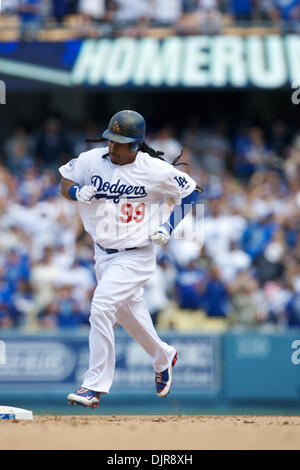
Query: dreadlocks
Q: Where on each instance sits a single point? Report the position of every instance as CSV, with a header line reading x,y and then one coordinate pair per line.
x,y
143,147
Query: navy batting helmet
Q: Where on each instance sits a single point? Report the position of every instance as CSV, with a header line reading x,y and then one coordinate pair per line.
x,y
126,127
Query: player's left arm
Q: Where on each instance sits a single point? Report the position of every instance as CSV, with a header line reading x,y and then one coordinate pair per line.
x,y
162,234
182,165
184,191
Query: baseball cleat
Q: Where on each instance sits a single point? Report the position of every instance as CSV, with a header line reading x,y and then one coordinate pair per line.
x,y
84,397
163,380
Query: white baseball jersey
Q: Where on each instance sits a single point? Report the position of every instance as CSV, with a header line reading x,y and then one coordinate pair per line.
x,y
129,198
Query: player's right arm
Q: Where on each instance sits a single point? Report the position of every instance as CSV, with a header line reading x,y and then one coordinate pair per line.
x,y
74,192
74,179
65,185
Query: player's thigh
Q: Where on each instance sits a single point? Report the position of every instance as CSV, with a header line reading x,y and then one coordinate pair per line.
x,y
119,283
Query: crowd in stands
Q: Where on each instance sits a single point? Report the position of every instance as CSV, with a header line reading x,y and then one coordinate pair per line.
x,y
183,16
242,264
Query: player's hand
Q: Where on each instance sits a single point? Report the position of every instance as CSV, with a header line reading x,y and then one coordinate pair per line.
x,y
85,194
160,236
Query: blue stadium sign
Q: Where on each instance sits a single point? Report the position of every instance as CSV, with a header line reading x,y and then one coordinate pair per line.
x,y
217,62
63,359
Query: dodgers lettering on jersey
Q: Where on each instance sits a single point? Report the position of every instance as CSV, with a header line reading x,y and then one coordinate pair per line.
x,y
116,190
130,199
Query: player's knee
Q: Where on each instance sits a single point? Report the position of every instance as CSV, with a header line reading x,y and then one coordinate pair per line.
x,y
101,309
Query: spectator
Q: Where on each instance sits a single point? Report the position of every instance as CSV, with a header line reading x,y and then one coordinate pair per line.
x,y
165,141
131,12
292,271
60,9
189,6
265,11
69,312
270,266
209,16
257,235
52,145
10,316
49,186
10,6
93,9
47,317
252,152
215,149
287,10
43,277
231,262
16,269
81,279
6,290
216,298
30,18
277,295
63,312
190,287
19,159
241,9
248,303
192,137
279,136
12,238
166,13
19,136
210,149
292,164
29,186
220,229
24,301
293,311
7,183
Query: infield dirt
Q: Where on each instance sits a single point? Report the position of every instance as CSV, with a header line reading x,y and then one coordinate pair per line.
x,y
50,432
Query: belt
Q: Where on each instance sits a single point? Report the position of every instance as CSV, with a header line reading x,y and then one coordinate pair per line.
x,y
110,251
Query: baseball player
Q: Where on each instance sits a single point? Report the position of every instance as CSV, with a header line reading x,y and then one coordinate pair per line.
x,y
120,190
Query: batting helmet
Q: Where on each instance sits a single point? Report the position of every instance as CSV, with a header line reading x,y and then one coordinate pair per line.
x,y
126,127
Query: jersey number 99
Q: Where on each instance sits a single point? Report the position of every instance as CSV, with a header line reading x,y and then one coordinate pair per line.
x,y
132,213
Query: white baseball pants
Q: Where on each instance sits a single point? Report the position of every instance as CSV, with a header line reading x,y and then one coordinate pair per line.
x,y
118,299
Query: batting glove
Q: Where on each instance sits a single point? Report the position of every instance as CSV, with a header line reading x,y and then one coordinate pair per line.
x,y
85,194
160,236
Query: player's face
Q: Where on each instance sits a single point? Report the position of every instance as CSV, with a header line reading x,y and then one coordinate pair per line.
x,y
120,154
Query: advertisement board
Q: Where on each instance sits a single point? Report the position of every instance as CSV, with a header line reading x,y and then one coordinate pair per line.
x,y
190,62
59,359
